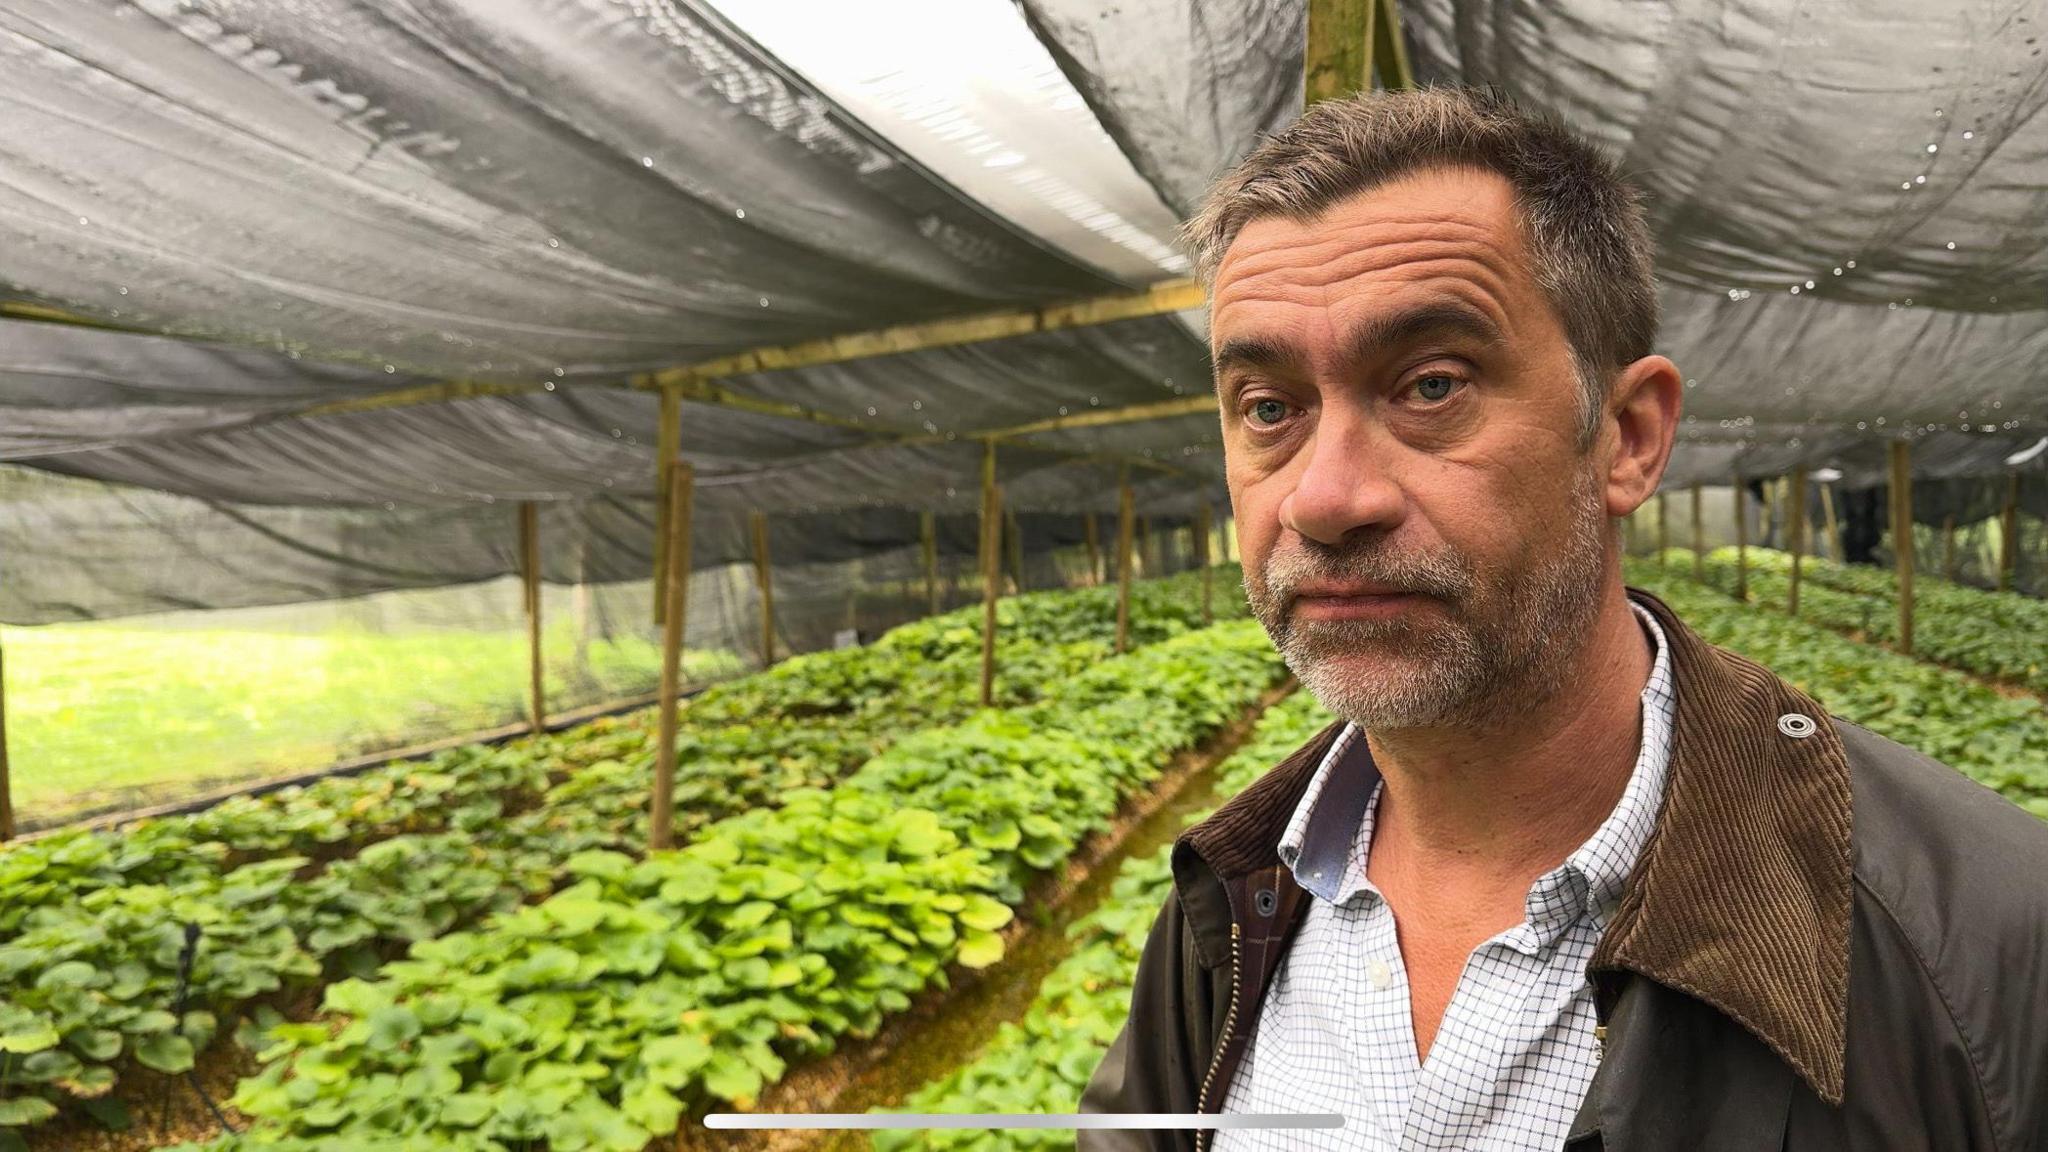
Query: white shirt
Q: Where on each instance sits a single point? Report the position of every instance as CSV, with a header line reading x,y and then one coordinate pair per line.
x,y
1514,1053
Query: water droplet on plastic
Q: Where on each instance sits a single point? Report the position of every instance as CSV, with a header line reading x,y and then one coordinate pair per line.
x,y
548,384
764,301
647,161
871,409
1892,307
1969,135
1951,245
740,212
1809,284
1734,295
1933,148
1838,271
617,433
1860,425
1851,264
389,369
1919,179
1063,409
554,243
83,220
917,405
1795,289
1094,400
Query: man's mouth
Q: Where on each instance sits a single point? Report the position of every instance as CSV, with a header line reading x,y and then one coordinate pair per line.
x,y
1334,601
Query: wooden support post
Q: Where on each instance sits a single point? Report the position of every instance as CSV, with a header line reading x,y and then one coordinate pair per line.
x,y
6,784
1741,540
1948,547
1834,528
2009,533
1902,537
928,531
1663,530
1126,512
1147,566
1699,539
1088,531
675,586
1795,531
764,581
668,438
991,563
1202,559
529,571
1016,532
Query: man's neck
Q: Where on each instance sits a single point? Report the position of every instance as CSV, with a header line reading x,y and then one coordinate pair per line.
x,y
1511,800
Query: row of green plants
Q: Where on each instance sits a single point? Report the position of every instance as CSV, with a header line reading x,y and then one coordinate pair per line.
x,y
1042,1062
2000,635
649,989
1999,740
305,886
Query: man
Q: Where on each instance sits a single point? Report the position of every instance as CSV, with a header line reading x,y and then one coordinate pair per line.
x,y
1564,875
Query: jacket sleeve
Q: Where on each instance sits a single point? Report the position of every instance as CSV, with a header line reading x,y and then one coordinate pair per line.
x,y
1157,1062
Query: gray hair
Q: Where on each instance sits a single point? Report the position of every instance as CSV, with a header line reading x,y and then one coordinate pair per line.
x,y
1583,221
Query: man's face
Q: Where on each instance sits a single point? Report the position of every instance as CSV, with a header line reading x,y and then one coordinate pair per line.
x,y
1423,536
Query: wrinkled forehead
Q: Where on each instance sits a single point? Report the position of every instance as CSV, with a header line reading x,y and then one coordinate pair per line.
x,y
1440,242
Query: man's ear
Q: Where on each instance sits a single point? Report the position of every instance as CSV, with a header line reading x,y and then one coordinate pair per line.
x,y
1644,405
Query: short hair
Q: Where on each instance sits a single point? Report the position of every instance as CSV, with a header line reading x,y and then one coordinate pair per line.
x,y
1581,218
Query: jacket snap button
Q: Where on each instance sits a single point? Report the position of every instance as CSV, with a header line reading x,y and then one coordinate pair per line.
x,y
1797,726
1265,901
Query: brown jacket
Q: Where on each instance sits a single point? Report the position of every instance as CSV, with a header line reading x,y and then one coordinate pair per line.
x,y
1830,941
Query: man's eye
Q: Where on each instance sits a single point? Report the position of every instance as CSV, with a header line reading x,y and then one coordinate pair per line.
x,y
1435,388
1269,412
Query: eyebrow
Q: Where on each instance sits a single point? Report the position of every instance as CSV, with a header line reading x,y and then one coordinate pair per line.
x,y
1381,334
1368,341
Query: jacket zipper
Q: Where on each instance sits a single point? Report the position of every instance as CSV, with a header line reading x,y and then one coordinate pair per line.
x,y
1206,1136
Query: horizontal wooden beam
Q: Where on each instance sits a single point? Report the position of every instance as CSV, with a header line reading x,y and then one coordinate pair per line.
x,y
1104,417
1169,296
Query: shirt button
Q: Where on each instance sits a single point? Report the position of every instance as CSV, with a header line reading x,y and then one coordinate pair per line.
x,y
1379,974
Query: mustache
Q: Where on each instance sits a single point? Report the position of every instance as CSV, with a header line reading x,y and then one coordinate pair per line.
x,y
1442,576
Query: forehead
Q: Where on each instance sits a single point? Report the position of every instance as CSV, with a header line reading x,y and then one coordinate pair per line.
x,y
1450,232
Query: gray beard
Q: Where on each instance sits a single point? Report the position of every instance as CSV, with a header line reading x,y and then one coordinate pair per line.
x,y
1495,645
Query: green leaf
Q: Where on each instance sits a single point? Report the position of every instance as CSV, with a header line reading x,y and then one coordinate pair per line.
x,y
985,913
980,949
34,1035
22,1111
164,1051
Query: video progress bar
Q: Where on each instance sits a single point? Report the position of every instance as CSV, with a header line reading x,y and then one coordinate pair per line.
x,y
1150,1121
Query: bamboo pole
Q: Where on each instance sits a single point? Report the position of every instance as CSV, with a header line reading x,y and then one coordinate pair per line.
x,y
1663,531
1948,547
6,782
1795,530
764,581
2009,533
1699,539
675,585
1741,542
991,542
1016,532
1088,530
668,437
1202,558
1902,537
1834,527
529,567
1126,513
928,530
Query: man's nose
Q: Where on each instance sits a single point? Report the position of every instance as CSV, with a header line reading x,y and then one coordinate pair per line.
x,y
1344,485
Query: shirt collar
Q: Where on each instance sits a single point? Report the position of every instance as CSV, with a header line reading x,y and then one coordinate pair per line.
x,y
1326,841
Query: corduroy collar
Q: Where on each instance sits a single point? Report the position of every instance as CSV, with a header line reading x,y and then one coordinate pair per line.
x,y
1741,899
